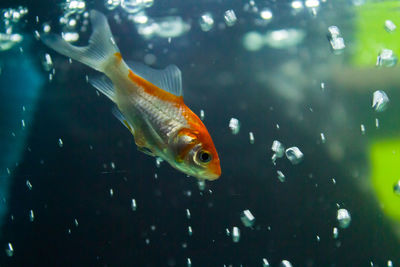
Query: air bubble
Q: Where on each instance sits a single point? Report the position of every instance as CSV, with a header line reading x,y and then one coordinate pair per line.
x,y
336,40
389,26
31,216
253,41
9,250
28,184
285,263
47,62
362,128
202,114
344,218
335,233
74,6
230,18
201,184
112,4
227,232
294,155
70,36
234,125
251,138
7,41
386,58
206,22
323,139
46,27
37,35
281,176
188,213
170,27
380,101
133,204
247,218
266,14
190,231
297,4
396,188
235,234
278,148
132,6
312,3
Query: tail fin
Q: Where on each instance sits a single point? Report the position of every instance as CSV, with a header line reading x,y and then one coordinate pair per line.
x,y
101,44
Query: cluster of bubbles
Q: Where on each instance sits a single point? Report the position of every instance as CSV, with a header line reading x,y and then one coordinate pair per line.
x,y
164,27
278,39
73,21
281,38
10,18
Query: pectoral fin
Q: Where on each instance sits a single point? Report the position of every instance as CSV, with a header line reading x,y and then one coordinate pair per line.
x,y
146,151
137,134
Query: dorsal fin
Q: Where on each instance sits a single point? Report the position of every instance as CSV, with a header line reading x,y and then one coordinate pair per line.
x,y
168,79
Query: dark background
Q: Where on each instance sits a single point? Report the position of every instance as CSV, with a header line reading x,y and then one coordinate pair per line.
x,y
73,182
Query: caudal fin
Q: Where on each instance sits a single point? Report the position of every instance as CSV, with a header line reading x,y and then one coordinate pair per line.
x,y
101,44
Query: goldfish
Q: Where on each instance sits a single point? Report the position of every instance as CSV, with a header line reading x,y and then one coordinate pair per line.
x,y
149,102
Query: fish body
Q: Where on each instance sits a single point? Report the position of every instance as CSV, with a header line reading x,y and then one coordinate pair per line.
x,y
149,103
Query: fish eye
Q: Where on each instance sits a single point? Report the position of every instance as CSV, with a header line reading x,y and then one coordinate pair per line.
x,y
204,156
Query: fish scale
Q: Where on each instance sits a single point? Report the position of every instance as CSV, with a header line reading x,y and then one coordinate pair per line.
x,y
164,117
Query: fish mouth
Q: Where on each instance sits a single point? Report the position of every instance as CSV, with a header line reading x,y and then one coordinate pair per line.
x,y
209,176
213,176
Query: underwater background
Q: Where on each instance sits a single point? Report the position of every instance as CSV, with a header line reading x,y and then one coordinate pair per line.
x,y
75,191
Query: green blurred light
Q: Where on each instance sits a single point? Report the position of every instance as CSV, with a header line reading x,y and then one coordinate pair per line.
x,y
385,172
370,35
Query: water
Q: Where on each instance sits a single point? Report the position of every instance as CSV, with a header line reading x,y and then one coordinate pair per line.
x,y
300,99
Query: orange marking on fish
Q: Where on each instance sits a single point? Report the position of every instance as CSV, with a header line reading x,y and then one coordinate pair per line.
x,y
118,56
196,129
154,90
199,130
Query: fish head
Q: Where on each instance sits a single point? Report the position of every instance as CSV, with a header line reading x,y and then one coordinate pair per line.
x,y
195,154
